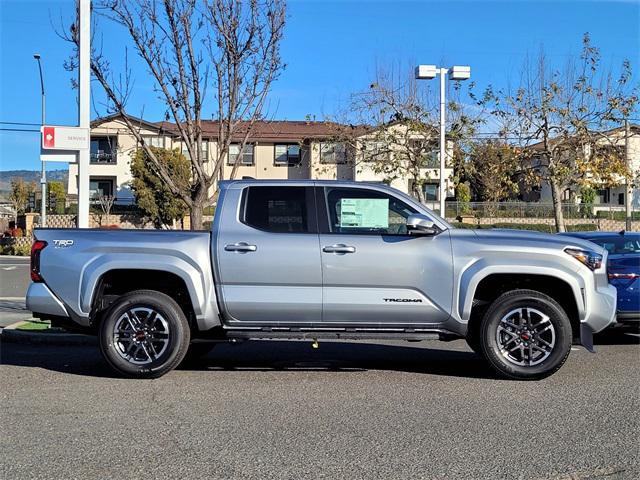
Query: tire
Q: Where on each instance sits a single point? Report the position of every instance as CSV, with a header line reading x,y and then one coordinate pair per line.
x,y
144,334
196,351
539,345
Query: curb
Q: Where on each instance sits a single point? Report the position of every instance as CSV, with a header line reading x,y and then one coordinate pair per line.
x,y
11,335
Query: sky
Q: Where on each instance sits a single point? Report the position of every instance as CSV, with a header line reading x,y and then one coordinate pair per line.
x,y
331,48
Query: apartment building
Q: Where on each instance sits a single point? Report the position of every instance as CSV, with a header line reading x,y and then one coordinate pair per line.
x,y
275,150
608,197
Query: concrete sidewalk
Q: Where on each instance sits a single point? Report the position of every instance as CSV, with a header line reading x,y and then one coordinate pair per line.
x,y
12,310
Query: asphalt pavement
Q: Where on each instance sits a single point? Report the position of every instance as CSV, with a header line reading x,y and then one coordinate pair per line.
x,y
273,409
14,281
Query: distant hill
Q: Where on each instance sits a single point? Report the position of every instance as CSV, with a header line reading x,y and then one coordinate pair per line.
x,y
28,176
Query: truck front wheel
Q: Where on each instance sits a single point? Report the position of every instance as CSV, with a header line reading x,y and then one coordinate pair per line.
x,y
525,335
144,334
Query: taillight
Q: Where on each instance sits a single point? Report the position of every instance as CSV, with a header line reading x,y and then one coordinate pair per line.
x,y
623,276
36,248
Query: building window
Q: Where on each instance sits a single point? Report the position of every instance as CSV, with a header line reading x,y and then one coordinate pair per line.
x,y
566,195
277,209
375,151
604,195
621,199
246,155
427,152
154,141
286,154
331,152
431,192
204,150
100,188
102,150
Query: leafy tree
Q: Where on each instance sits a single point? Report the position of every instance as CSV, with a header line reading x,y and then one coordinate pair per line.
x,y
463,195
153,195
492,168
214,57
57,193
562,119
19,196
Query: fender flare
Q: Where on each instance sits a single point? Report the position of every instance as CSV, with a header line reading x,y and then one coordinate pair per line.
x,y
478,271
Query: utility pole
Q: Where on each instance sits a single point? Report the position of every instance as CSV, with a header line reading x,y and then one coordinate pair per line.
x,y
43,175
628,194
84,73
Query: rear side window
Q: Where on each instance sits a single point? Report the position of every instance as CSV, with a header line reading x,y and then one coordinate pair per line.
x,y
277,209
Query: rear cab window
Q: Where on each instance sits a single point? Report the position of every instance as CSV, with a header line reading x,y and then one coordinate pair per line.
x,y
278,209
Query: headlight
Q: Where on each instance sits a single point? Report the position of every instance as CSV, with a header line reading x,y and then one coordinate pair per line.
x,y
590,258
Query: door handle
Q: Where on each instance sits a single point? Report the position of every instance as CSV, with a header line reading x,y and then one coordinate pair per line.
x,y
339,248
242,247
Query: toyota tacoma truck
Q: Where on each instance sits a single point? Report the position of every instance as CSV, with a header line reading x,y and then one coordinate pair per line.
x,y
320,260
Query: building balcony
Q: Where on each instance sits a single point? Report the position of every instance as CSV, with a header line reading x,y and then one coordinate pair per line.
x,y
102,158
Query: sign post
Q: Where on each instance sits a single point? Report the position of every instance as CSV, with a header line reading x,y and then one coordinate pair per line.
x,y
84,73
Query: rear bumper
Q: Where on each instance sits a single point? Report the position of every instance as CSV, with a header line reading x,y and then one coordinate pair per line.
x,y
41,300
628,317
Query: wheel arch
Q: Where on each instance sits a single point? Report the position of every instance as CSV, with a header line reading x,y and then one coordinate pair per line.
x,y
484,288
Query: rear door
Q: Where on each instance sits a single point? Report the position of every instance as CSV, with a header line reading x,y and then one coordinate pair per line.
x,y
268,255
374,272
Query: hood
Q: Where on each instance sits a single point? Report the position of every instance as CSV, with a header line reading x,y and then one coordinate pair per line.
x,y
530,237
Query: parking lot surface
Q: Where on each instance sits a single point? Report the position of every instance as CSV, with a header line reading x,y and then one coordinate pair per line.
x,y
346,410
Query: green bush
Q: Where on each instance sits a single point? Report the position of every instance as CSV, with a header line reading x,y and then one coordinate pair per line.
x,y
618,215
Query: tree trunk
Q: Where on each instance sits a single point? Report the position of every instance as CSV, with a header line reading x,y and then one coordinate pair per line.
x,y
197,209
556,196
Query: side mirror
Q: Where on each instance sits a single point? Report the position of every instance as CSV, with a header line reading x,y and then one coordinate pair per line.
x,y
418,224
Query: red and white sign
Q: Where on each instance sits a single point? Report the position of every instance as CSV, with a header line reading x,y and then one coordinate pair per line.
x,y
65,138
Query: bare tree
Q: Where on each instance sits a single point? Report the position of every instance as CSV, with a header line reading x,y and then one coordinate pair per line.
x,y
397,136
231,47
561,120
106,204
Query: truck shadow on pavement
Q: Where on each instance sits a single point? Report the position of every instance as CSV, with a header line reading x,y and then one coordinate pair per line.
x,y
343,357
431,358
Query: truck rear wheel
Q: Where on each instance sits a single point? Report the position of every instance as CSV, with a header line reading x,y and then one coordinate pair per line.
x,y
144,334
525,335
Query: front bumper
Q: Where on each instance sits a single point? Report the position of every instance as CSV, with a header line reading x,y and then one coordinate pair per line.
x,y
40,300
600,307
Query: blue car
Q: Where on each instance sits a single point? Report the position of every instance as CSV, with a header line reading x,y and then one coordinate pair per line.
x,y
623,268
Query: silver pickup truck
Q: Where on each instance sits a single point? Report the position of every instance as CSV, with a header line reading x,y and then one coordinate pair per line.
x,y
322,260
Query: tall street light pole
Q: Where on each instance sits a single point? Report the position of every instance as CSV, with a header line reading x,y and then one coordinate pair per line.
x,y
43,177
428,72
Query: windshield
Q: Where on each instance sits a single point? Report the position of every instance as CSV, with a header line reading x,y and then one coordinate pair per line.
x,y
619,244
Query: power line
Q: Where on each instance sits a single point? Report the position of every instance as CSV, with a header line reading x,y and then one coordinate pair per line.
x,y
21,123
18,130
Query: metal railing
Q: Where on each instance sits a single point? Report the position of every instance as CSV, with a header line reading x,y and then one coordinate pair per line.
x,y
532,210
103,158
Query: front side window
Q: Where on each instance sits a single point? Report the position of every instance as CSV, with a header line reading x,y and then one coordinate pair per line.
x,y
362,211
286,154
277,209
246,156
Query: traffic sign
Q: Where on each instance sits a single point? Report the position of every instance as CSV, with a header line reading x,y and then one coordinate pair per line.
x,y
64,138
68,156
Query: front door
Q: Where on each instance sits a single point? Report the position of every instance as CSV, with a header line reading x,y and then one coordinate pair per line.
x,y
374,272
268,256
